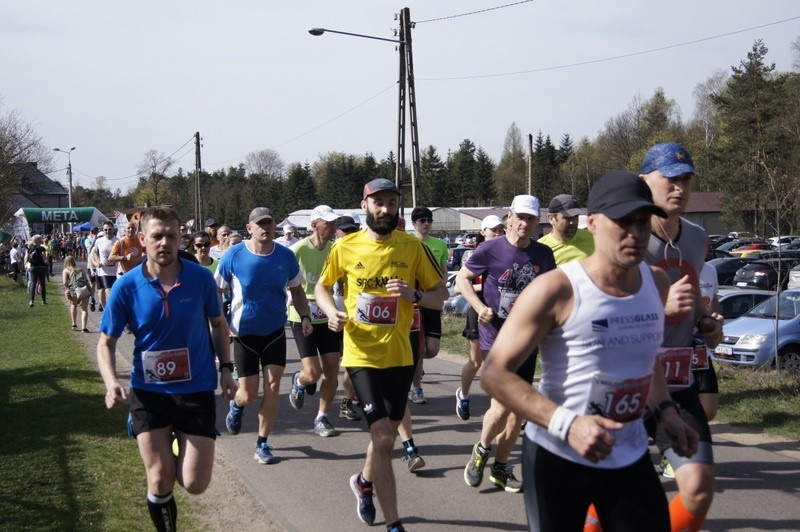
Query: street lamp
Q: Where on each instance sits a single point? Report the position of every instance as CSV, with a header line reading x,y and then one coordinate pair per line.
x,y
406,91
69,170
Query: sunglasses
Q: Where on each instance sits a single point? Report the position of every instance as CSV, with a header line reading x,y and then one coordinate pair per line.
x,y
203,245
424,220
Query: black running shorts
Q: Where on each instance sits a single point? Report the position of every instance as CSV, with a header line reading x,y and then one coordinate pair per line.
x,y
252,352
189,413
382,392
322,341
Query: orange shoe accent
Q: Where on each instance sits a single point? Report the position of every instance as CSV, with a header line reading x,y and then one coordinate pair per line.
x,y
592,523
681,519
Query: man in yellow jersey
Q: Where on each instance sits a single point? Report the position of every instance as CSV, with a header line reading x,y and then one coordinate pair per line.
x,y
386,272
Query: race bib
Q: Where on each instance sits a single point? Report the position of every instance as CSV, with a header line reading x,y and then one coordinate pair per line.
x,y
415,320
619,400
316,312
166,366
507,300
677,363
376,310
700,357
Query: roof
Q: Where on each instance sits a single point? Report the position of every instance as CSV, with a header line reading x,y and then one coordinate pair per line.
x,y
32,182
704,202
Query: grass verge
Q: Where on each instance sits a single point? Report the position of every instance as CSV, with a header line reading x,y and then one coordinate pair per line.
x,y
66,464
754,399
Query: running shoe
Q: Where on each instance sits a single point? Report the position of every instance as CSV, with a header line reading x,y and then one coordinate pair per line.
x,y
311,389
473,473
92,306
396,528
667,471
502,476
264,454
462,406
414,461
297,393
365,507
233,421
347,411
74,327
324,428
417,397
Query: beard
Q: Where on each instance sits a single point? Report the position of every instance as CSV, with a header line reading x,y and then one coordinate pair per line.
x,y
385,225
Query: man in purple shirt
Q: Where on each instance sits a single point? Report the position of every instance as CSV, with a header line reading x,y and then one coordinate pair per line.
x,y
508,265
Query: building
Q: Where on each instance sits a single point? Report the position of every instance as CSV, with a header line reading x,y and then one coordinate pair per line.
x,y
31,188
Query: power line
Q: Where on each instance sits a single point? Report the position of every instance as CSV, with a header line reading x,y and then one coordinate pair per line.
x,y
612,58
472,12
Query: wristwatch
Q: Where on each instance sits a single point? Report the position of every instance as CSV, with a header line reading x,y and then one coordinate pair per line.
x,y
417,296
663,406
226,365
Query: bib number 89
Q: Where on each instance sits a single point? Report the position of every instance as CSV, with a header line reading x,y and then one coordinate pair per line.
x,y
166,368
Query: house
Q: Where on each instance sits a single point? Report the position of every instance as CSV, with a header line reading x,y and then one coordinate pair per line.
x,y
31,188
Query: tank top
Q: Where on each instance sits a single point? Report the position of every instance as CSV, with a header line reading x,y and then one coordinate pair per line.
x,y
601,360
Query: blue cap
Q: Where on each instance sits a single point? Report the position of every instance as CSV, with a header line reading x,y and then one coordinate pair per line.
x,y
669,158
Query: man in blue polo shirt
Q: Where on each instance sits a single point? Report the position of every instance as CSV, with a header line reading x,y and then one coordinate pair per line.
x,y
170,305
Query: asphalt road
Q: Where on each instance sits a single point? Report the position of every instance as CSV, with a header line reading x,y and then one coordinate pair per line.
x,y
758,480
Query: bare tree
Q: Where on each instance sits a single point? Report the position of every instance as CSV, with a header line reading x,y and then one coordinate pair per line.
x,y
705,113
152,174
266,163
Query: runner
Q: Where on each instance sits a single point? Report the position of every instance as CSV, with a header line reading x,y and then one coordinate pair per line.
x,y
319,351
258,274
106,270
385,271
169,304
567,241
507,265
598,323
679,246
127,251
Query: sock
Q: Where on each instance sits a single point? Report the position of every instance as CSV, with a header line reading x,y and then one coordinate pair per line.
x,y
261,439
363,483
297,383
484,450
460,394
409,446
682,519
592,523
163,511
320,415
499,465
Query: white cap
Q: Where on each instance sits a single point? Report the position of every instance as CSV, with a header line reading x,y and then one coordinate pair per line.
x,y
490,222
289,228
323,212
525,204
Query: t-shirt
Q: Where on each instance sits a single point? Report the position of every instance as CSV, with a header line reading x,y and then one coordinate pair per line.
x,y
439,249
126,245
506,270
580,247
167,321
258,284
103,246
376,334
311,261
709,284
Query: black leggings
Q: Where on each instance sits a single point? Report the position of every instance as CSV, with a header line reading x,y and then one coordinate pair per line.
x,y
37,273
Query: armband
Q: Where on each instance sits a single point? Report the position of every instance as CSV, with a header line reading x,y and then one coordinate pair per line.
x,y
663,406
226,365
560,422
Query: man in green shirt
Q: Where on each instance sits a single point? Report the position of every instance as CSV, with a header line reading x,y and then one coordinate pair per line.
x,y
320,351
422,218
566,240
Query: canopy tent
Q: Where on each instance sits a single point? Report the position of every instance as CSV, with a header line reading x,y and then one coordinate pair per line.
x,y
85,226
65,215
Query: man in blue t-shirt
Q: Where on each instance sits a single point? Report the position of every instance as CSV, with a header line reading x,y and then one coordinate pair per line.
x,y
257,273
508,264
170,305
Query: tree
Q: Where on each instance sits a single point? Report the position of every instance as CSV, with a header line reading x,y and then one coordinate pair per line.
x,y
152,172
300,190
433,179
462,176
511,175
267,163
484,176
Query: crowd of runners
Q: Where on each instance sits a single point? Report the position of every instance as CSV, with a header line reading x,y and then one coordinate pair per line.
x,y
612,312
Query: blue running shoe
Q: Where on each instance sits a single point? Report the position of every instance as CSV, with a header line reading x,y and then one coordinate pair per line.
x,y
264,454
365,507
462,406
297,393
233,421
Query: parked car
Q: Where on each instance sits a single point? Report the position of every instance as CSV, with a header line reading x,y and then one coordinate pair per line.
x,y
794,277
764,273
751,248
458,255
734,302
456,304
717,254
733,244
727,268
780,241
750,340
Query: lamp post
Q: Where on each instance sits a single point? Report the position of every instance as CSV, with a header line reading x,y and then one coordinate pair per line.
x,y
69,176
406,90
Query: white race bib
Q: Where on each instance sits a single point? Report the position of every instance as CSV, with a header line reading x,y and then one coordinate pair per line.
x,y
376,310
620,400
166,366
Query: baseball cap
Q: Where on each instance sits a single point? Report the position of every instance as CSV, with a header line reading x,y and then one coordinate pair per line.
x,y
346,222
490,222
619,193
565,204
211,222
669,158
289,228
525,204
323,212
376,185
258,214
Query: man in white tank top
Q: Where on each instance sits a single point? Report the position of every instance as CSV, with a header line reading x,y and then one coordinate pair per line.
x,y
598,323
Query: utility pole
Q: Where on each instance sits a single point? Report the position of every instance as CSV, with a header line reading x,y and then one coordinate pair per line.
x,y
407,91
197,198
530,163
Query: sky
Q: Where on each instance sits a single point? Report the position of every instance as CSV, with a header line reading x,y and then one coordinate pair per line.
x,y
117,79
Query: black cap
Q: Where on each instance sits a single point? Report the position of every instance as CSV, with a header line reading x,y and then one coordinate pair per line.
x,y
211,222
346,222
566,204
619,193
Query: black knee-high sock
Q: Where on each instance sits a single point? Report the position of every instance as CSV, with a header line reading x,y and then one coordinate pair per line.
x,y
163,511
